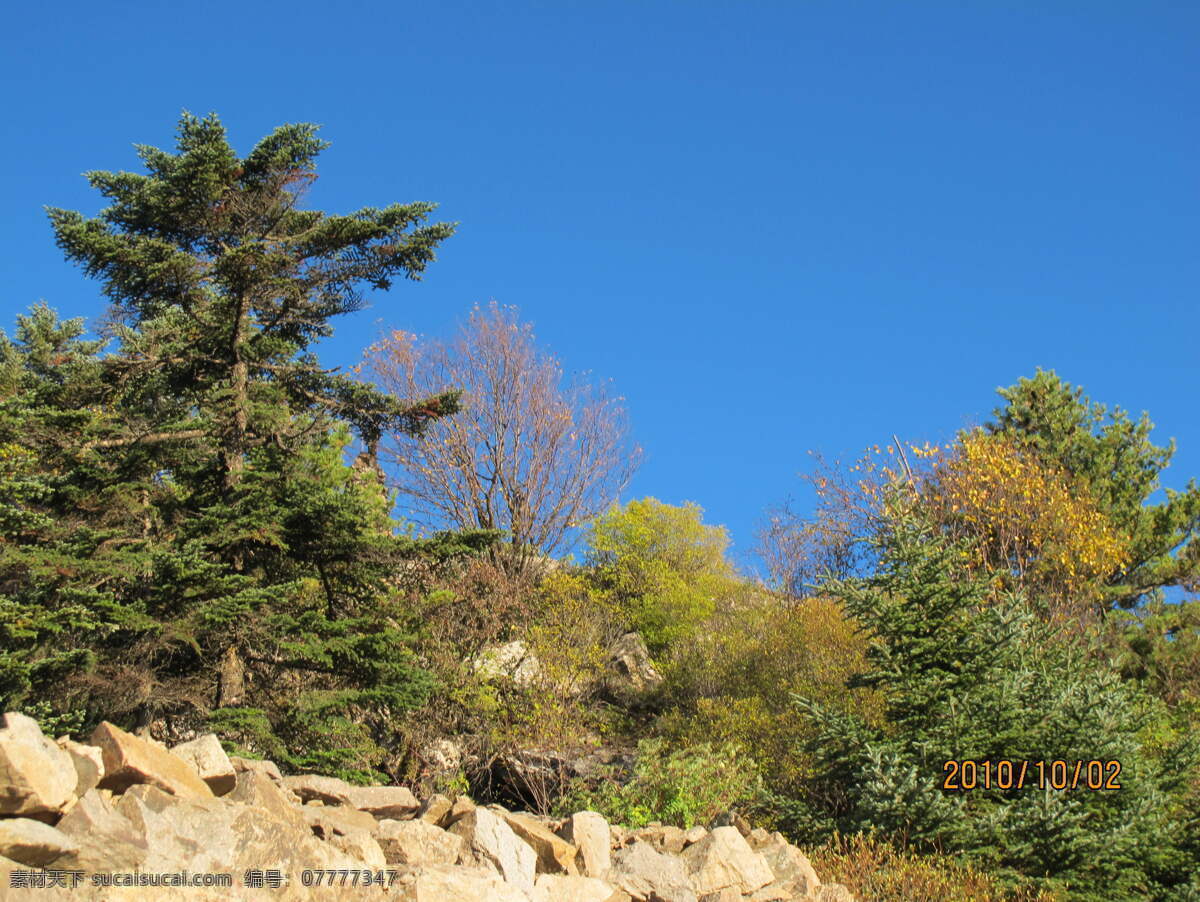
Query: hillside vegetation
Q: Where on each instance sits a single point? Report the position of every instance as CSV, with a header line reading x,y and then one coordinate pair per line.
x,y
199,532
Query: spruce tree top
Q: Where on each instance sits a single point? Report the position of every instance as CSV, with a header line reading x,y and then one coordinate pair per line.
x,y
220,282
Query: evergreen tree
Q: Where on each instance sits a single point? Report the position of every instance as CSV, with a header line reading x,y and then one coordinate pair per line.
x,y
264,599
1121,467
967,678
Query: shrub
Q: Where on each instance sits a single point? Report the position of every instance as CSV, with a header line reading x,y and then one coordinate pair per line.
x,y
684,787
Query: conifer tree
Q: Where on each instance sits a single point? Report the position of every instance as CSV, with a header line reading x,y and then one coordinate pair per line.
x,y
265,600
966,678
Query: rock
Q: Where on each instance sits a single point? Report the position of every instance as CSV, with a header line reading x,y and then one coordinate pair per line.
x,y
129,760
88,762
834,892
774,892
335,820
629,672
513,661
450,883
258,765
649,876
256,789
790,866
491,842
731,819
37,778
31,842
418,843
729,894
589,833
554,854
361,846
434,809
573,888
723,858
694,835
329,790
462,806
443,757
667,838
395,802
209,760
106,839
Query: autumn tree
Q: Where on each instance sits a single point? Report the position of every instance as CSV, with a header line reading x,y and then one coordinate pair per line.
x,y
530,453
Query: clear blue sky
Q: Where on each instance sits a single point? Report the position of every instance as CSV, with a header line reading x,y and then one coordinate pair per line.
x,y
776,226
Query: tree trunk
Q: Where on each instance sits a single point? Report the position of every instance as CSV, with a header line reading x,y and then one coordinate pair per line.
x,y
231,681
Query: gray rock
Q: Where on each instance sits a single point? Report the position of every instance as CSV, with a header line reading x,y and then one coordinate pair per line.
x,y
491,842
649,876
724,859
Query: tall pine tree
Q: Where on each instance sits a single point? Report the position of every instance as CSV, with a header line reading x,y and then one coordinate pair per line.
x,y
265,602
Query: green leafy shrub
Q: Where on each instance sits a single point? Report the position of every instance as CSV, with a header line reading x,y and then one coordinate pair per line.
x,y
685,787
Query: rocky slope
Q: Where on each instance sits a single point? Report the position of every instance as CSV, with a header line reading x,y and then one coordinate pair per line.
x,y
123,818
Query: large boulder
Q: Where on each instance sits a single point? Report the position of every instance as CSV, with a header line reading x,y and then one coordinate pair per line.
x,y
327,821
451,883
88,762
208,759
512,660
107,840
33,843
314,787
574,888
490,842
554,854
724,859
649,876
395,802
418,843
629,672
435,808
791,867
257,790
130,760
37,778
589,833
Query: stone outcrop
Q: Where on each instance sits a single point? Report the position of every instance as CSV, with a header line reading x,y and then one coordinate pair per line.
x,y
125,806
629,673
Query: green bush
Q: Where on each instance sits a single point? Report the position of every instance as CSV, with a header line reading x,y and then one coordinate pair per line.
x,y
683,787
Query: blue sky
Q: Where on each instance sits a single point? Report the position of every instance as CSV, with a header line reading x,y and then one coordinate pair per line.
x,y
775,226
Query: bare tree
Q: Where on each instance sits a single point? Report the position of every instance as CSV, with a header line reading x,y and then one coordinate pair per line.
x,y
529,453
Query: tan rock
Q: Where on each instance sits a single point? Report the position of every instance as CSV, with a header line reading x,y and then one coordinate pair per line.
x,y
589,833
554,854
418,843
490,842
258,765
361,846
462,805
331,820
208,759
665,838
790,866
834,892
646,874
724,858
129,760
37,778
394,802
107,840
88,762
329,790
775,892
434,808
33,843
450,883
256,789
574,888
693,835
729,894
